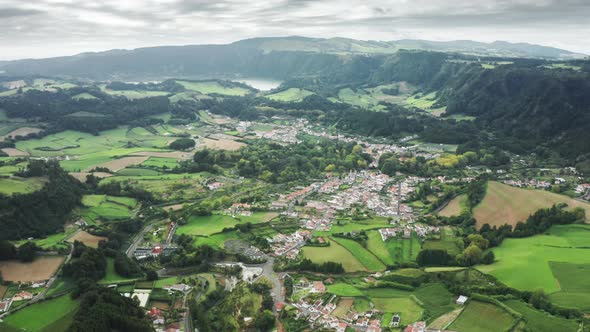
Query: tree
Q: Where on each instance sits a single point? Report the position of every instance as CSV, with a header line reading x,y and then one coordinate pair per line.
x,y
27,252
183,144
470,256
478,240
488,258
7,250
264,321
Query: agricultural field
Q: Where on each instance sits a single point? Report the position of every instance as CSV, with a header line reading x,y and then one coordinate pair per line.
x,y
220,144
342,289
448,242
344,305
42,268
334,253
133,94
424,102
87,238
106,208
370,261
17,185
482,317
404,250
209,225
376,246
505,204
290,95
51,315
539,321
213,87
532,263
454,207
409,310
54,240
120,163
167,186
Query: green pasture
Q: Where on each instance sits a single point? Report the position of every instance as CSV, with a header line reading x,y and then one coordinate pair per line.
x,y
527,263
482,317
50,315
16,185
539,321
370,261
208,225
213,87
334,253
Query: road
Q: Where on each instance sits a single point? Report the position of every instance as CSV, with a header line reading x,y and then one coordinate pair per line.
x,y
138,239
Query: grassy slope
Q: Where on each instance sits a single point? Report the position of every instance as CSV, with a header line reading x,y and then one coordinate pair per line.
x,y
505,204
524,263
541,322
40,316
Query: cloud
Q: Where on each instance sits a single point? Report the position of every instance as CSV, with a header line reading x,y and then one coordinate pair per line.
x,y
17,12
64,27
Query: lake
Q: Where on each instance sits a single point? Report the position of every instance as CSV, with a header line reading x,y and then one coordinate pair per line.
x,y
262,84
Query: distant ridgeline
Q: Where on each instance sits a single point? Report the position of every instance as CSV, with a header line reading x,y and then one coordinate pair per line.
x,y
523,105
41,212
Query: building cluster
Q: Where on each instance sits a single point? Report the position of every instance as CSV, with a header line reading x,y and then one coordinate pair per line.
x,y
405,231
284,134
239,209
531,183
288,244
141,253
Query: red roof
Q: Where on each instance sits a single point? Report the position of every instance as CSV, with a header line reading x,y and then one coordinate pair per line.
x,y
157,250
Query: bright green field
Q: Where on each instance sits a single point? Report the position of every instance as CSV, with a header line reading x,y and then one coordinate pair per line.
x,y
208,225
44,316
376,245
575,285
524,263
92,150
423,102
106,208
334,253
342,289
482,317
541,322
370,261
291,94
209,87
9,186
160,162
410,312
404,250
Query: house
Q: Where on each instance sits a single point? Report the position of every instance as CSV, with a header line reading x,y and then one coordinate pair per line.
x,y
158,320
178,287
373,328
461,299
395,320
175,327
5,305
318,287
416,327
329,281
22,296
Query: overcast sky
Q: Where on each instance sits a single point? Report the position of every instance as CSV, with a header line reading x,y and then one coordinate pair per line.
x,y
44,28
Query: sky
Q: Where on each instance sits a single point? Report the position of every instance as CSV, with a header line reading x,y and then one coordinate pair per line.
x,y
47,28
